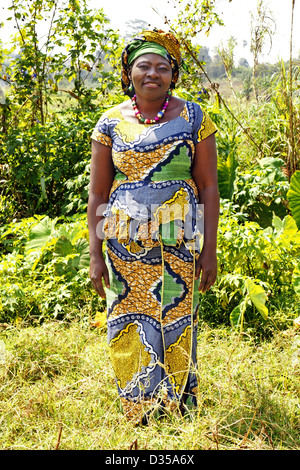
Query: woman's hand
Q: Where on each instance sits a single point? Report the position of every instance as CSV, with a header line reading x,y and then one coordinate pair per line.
x,y
98,270
206,265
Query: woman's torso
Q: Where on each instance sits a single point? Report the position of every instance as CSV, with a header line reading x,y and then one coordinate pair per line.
x,y
153,171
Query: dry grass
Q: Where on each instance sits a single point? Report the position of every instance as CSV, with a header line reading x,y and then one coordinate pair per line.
x,y
57,391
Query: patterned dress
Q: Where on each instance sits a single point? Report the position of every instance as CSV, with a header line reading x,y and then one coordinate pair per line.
x,y
153,228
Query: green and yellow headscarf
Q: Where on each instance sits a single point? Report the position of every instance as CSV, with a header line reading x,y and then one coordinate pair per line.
x,y
151,42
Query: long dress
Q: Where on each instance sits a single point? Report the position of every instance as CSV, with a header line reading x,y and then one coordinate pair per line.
x,y
153,228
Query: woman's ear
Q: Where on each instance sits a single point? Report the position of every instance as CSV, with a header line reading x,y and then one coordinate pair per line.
x,y
129,72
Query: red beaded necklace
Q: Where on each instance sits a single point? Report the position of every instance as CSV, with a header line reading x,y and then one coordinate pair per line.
x,y
159,115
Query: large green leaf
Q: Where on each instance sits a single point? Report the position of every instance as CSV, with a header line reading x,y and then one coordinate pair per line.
x,y
71,258
227,175
64,247
293,196
258,297
82,247
238,313
39,234
263,214
286,230
271,163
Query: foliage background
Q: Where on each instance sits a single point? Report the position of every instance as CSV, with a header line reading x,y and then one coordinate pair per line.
x,y
55,90
60,85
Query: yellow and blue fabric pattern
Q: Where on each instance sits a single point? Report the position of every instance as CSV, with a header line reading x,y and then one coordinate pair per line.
x,y
153,238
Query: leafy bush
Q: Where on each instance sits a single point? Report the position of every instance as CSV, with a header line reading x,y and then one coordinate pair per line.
x,y
261,191
44,164
258,272
49,166
44,270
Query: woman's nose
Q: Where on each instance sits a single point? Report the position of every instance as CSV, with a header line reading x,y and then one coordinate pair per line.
x,y
152,72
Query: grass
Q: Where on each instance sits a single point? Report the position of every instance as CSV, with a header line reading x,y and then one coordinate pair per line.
x,y
57,390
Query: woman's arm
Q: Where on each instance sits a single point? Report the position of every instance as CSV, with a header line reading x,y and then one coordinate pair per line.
x,y
204,173
102,175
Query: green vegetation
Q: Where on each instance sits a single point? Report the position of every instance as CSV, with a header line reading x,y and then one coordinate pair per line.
x,y
58,390
54,370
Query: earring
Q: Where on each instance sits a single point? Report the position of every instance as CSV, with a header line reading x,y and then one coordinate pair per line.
x,y
130,88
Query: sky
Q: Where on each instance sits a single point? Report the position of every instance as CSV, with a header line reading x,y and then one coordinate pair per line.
x,y
235,15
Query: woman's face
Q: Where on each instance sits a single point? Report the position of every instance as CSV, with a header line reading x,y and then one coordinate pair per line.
x,y
151,76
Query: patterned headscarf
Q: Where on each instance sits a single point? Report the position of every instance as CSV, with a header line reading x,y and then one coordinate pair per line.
x,y
156,41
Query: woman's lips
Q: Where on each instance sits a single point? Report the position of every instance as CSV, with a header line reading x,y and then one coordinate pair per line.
x,y
151,84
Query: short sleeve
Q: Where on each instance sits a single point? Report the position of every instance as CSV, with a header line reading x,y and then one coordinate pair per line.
x,y
101,132
203,125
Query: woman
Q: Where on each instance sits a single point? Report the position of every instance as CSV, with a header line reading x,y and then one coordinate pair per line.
x,y
153,169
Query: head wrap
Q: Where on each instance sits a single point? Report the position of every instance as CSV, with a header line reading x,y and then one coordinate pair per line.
x,y
148,48
155,42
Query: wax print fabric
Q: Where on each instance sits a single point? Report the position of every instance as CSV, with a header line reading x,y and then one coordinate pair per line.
x,y
153,230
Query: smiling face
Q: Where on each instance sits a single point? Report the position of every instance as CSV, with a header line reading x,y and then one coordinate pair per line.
x,y
151,76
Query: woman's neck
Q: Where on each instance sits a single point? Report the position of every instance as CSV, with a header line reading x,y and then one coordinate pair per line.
x,y
150,108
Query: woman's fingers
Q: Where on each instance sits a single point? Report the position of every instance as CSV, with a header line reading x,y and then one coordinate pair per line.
x,y
207,280
197,270
100,289
97,272
106,278
208,274
98,286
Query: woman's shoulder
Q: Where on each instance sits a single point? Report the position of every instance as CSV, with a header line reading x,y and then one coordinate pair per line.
x,y
106,123
203,125
111,113
192,112
195,106
125,110
197,112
